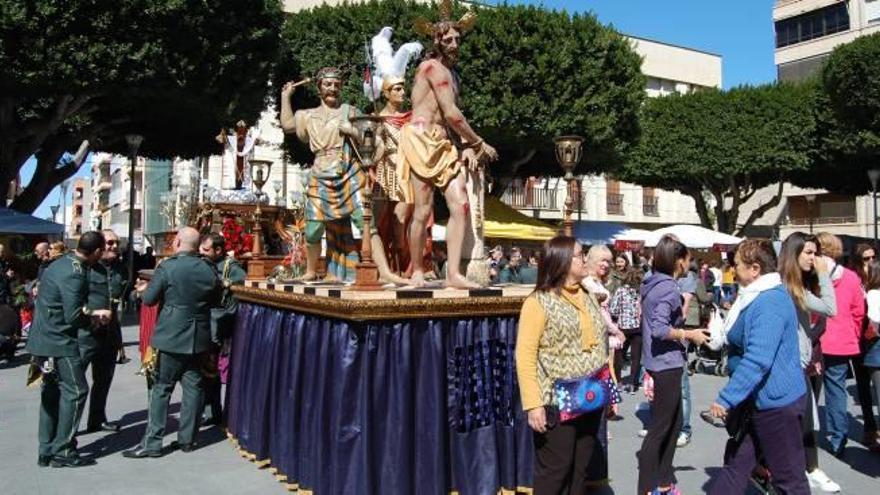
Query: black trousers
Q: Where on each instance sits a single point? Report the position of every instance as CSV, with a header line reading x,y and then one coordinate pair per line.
x,y
634,343
569,458
811,439
102,361
658,449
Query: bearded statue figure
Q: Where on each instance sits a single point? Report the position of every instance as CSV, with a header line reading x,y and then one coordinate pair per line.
x,y
333,188
439,147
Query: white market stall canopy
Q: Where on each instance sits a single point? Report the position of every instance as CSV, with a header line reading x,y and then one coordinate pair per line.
x,y
693,236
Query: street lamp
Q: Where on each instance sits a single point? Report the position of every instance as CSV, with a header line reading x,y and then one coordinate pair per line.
x,y
134,142
874,176
568,154
54,209
811,198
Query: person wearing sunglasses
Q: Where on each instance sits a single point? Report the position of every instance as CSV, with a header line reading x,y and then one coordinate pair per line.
x,y
99,343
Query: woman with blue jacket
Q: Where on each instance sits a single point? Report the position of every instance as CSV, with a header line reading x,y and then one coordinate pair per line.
x,y
762,334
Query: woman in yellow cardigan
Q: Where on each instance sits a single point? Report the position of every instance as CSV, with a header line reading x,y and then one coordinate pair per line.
x,y
561,336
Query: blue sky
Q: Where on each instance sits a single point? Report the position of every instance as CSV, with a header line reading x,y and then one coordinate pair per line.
x,y
740,31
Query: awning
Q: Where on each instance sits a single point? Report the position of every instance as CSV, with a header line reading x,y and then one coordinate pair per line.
x,y
504,222
591,233
694,237
501,221
14,222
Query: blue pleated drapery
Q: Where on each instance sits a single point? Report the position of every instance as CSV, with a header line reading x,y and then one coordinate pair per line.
x,y
425,406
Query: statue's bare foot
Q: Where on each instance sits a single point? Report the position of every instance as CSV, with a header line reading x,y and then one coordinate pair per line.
x,y
417,279
393,279
332,279
458,281
309,277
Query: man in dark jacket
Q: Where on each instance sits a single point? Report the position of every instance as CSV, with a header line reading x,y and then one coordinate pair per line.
x,y
213,248
61,312
188,287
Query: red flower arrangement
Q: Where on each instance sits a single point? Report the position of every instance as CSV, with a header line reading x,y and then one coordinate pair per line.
x,y
236,240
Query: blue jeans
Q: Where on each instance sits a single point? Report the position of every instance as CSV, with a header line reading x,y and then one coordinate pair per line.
x,y
686,403
836,416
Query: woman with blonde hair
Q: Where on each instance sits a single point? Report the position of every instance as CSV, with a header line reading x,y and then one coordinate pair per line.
x,y
841,345
562,337
56,250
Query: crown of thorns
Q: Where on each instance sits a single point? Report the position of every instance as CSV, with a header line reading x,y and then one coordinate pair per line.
x,y
427,28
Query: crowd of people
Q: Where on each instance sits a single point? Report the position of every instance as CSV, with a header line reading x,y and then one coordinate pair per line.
x,y
792,323
71,302
795,324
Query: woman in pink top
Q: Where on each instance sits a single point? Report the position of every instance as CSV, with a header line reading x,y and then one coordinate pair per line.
x,y
841,345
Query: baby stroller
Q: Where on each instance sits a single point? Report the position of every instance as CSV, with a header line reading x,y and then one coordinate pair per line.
x,y
713,355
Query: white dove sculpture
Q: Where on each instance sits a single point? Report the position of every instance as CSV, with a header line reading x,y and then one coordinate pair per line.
x,y
387,62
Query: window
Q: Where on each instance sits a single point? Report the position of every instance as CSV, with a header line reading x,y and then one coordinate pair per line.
x,y
649,202
613,198
872,10
821,22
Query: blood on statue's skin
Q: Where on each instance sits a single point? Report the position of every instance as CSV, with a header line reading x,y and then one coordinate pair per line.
x,y
466,208
443,84
426,187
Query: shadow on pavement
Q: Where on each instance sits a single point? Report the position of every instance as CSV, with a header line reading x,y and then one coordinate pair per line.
x,y
133,428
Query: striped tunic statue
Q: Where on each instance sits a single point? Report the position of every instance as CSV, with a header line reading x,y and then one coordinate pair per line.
x,y
332,189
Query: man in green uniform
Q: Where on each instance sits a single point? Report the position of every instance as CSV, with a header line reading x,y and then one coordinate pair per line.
x,y
61,310
188,287
98,343
231,272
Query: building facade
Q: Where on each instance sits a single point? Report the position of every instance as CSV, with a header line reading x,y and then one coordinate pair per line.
x,y
110,202
808,30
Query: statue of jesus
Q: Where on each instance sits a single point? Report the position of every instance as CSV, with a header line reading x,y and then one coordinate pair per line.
x,y
438,146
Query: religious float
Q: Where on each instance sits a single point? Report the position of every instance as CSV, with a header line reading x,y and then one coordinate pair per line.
x,y
367,373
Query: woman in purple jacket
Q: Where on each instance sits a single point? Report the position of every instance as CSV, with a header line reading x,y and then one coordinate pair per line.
x,y
663,356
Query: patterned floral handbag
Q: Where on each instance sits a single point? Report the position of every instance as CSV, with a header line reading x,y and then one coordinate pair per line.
x,y
577,396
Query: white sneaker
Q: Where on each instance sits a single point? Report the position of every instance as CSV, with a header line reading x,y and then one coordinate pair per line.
x,y
683,439
818,479
643,433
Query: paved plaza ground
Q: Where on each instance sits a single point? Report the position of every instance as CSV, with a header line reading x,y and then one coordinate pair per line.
x,y
217,468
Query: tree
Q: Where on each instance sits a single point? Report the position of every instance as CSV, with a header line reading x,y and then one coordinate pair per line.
x,y
728,144
527,75
848,117
86,70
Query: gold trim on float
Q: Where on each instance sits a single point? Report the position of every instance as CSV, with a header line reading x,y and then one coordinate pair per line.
x,y
292,486
382,309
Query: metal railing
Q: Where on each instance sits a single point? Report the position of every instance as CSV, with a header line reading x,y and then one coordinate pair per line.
x,y
537,198
821,220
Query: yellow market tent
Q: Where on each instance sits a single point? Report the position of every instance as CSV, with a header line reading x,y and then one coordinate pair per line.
x,y
503,222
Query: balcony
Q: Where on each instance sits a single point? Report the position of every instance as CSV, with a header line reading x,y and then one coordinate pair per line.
x,y
800,221
650,207
535,198
614,203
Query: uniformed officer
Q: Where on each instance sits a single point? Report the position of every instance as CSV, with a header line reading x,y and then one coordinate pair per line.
x,y
98,344
213,248
61,311
188,288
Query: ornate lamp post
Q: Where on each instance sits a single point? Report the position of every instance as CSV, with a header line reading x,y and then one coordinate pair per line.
x,y
134,142
260,172
568,154
367,126
811,198
54,209
874,177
